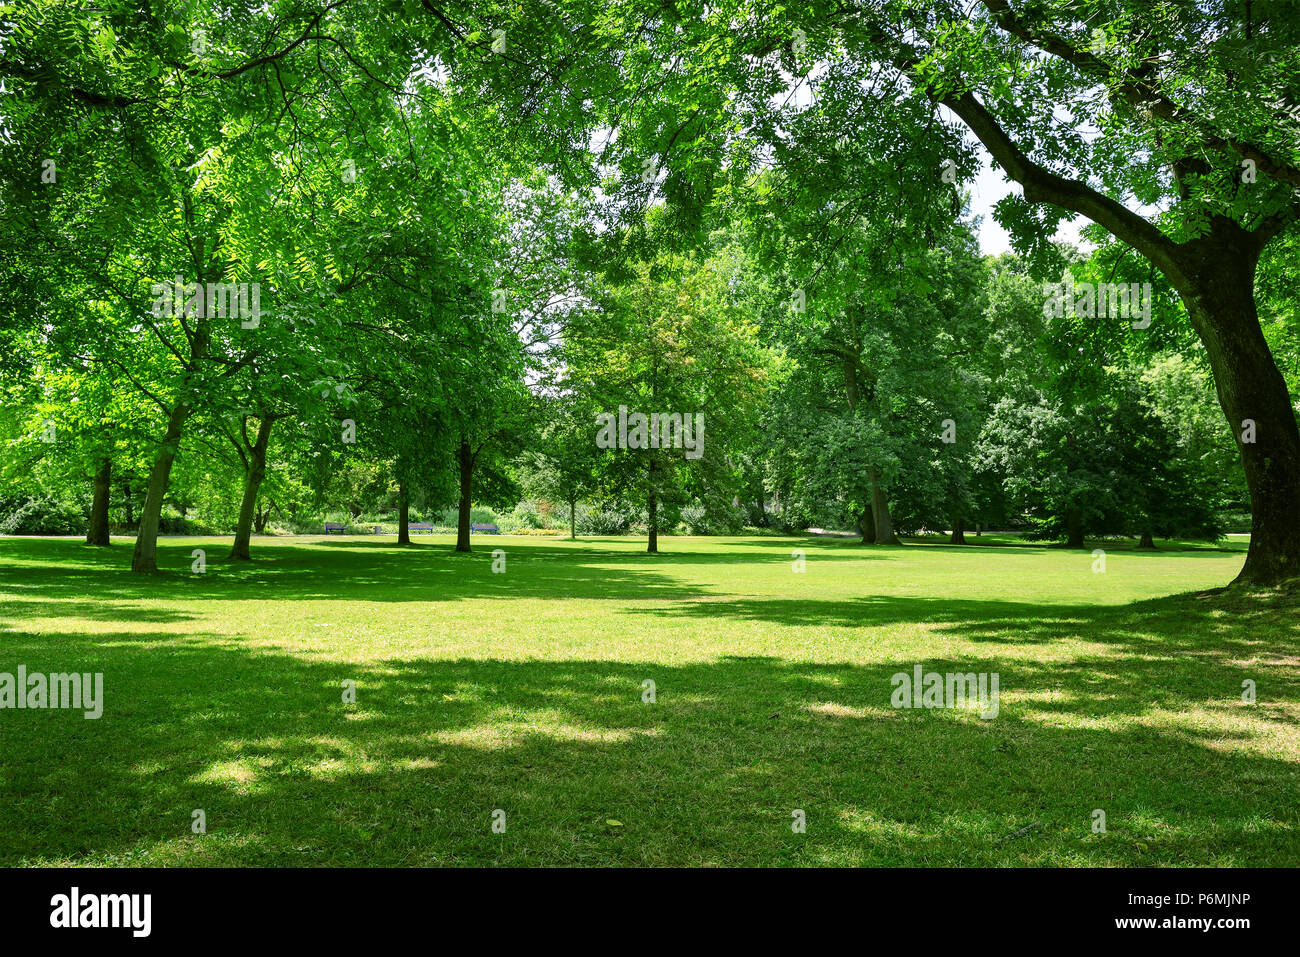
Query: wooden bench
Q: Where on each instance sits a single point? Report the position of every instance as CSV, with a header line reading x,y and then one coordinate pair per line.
x,y
490,529
335,527
419,527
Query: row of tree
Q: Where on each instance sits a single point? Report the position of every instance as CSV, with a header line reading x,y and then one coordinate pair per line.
x,y
420,247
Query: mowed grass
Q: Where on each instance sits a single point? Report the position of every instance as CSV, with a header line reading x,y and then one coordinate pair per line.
x,y
523,692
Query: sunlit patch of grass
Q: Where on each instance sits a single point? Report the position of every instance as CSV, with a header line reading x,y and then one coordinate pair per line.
x,y
528,692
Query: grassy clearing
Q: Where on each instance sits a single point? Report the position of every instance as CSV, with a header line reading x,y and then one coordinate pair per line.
x,y
522,691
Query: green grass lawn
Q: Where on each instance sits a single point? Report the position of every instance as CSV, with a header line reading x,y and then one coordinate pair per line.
x,y
522,691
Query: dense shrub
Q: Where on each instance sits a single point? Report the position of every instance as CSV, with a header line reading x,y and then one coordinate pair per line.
x,y
40,515
170,522
602,522
694,519
478,515
717,520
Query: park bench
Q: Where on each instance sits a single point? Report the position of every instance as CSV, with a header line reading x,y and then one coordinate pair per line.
x,y
335,527
490,529
419,527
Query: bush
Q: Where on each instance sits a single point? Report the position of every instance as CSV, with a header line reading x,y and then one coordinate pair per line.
x,y
718,520
580,513
478,515
536,514
695,520
602,522
40,515
170,522
524,517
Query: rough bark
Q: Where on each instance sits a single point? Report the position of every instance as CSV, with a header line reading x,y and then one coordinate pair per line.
x,y
880,512
97,532
1214,274
254,472
1219,294
867,526
466,459
145,556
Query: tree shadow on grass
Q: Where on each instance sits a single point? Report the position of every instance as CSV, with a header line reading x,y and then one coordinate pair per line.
x,y
711,772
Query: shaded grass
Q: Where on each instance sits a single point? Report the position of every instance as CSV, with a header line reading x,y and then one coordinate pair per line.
x,y
522,692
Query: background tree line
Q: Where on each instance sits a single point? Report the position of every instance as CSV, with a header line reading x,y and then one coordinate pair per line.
x,y
475,227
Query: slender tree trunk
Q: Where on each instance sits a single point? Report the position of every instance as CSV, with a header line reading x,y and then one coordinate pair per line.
x,y
466,459
1218,290
403,515
259,520
253,475
958,532
145,556
1147,542
652,507
880,512
652,513
1073,528
97,533
573,517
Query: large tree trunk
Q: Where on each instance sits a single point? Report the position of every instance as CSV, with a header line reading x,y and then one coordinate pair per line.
x,y
867,526
466,459
403,515
880,512
1147,542
145,556
1218,290
253,475
1214,274
97,533
958,532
